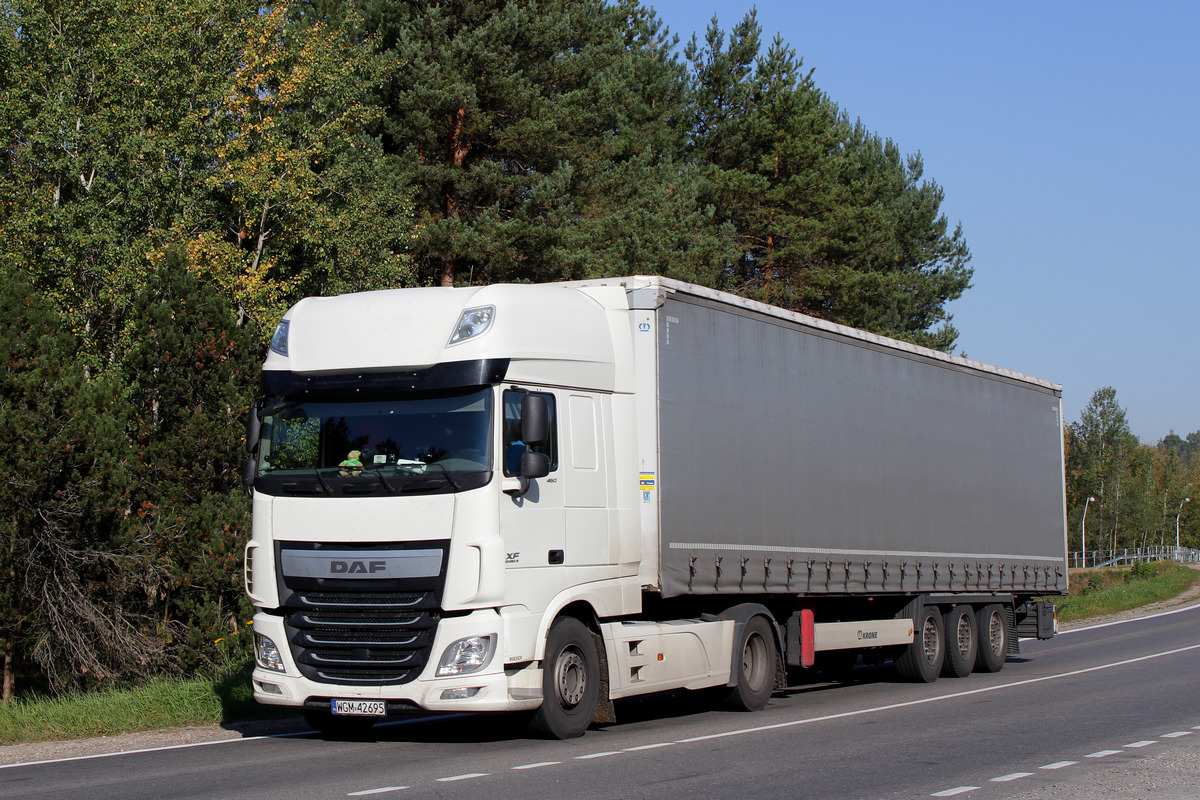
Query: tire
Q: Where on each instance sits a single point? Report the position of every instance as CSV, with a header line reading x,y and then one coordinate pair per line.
x,y
993,638
921,661
570,681
755,670
962,642
339,727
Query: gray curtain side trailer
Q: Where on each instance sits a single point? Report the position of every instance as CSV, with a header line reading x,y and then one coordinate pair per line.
x,y
815,469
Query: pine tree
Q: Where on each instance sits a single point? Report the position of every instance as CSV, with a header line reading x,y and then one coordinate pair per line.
x,y
190,372
828,218
543,139
78,582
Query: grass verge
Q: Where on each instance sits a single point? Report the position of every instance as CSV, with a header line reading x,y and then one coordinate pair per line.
x,y
1099,592
159,704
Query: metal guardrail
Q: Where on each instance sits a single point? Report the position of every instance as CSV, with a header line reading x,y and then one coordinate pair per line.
x,y
1108,558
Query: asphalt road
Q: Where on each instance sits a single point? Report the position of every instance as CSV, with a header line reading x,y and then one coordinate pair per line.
x,y
1112,711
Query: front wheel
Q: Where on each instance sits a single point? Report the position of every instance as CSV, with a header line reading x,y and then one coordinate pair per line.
x,y
570,681
755,669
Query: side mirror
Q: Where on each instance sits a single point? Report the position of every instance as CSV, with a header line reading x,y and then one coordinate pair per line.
x,y
535,420
249,468
253,431
535,465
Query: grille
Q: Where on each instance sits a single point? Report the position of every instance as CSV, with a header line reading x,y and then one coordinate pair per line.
x,y
361,638
361,599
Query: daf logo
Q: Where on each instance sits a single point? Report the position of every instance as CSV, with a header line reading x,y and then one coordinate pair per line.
x,y
356,567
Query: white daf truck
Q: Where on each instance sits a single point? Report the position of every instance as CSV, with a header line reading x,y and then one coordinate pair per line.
x,y
544,498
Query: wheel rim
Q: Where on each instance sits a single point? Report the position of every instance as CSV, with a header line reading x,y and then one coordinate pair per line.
x,y
570,677
996,633
964,636
754,659
929,641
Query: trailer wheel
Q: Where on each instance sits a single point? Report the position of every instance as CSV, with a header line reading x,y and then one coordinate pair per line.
x,y
755,669
993,638
921,661
339,727
961,642
570,681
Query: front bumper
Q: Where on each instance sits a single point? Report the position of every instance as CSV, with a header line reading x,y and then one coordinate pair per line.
x,y
492,688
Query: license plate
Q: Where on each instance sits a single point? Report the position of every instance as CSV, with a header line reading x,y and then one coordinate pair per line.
x,y
358,708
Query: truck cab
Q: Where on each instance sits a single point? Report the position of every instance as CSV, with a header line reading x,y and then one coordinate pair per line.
x,y
434,479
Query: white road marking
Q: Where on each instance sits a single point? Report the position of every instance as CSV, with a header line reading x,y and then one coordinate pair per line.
x,y
954,791
939,698
649,746
1176,734
466,777
1102,754
538,765
1143,743
1059,765
600,755
1012,776
377,791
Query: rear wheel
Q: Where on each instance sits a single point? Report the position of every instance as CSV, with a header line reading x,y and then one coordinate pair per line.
x,y
755,669
570,681
921,661
961,642
993,638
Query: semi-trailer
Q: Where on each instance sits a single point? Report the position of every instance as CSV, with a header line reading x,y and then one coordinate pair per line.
x,y
544,498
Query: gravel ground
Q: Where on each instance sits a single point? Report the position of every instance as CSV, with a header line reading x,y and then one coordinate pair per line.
x,y
1184,771
143,740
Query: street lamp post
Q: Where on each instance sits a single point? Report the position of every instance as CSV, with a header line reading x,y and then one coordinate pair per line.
x,y
1177,516
1083,531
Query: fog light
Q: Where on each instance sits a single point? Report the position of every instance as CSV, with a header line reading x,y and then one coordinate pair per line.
x,y
266,654
460,694
467,655
268,688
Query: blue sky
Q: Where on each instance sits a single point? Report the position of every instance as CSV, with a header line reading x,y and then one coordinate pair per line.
x,y
1066,136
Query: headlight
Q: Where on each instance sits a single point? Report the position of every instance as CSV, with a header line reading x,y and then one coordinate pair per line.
x,y
266,654
473,322
467,655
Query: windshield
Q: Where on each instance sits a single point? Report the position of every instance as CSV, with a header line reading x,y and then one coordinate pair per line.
x,y
411,444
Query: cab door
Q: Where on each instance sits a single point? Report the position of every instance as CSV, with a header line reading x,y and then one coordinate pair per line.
x,y
531,524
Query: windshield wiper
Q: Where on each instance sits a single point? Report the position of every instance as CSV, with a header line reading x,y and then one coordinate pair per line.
x,y
426,481
449,479
321,487
386,483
